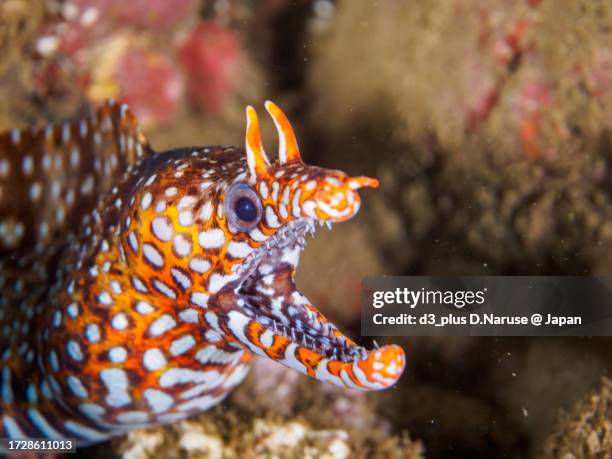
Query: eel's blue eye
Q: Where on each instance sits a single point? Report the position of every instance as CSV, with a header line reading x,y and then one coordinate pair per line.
x,y
245,209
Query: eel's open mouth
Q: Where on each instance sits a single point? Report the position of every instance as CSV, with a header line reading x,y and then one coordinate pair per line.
x,y
267,314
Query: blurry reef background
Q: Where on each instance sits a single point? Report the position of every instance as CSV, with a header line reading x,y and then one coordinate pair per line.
x,y
489,125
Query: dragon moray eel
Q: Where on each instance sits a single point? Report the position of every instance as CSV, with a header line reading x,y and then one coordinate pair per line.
x,y
135,286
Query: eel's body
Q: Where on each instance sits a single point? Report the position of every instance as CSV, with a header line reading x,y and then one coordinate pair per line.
x,y
136,286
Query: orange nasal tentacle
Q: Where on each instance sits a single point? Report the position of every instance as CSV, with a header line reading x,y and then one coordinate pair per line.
x,y
256,156
288,150
362,182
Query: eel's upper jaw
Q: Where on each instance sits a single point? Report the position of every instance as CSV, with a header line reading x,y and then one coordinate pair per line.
x,y
271,318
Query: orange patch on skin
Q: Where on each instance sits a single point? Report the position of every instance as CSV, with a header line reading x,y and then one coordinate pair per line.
x,y
309,358
276,351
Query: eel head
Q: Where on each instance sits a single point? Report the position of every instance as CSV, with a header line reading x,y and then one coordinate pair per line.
x,y
273,208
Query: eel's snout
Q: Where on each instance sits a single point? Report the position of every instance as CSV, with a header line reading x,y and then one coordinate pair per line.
x,y
334,197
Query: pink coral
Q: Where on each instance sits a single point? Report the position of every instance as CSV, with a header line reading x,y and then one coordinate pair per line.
x,y
150,84
209,56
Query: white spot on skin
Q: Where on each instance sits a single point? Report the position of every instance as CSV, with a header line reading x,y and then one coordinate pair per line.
x,y
85,432
139,285
73,310
27,165
91,410
12,428
271,218
257,235
212,336
309,207
92,333
4,167
158,400
267,338
164,289
15,136
170,192
32,394
65,132
181,345
189,315
186,201
83,128
217,281
56,188
160,206
116,382
162,325
239,249
43,230
146,200
199,265
119,321
133,417
153,359
133,240
263,190
142,307
162,229
76,387
45,390
212,239
87,185
283,211
186,218
57,319
180,278
201,403
70,197
182,245
206,211
74,158
275,188
115,287
74,350
150,180
7,387
285,195
174,376
105,298
153,255
117,354
35,191
199,299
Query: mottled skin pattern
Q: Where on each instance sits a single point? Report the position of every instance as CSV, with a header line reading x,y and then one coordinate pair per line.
x,y
136,286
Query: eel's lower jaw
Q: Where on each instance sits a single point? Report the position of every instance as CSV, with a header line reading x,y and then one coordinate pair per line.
x,y
355,368
270,318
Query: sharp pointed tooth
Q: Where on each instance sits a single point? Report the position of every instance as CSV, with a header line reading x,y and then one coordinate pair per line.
x,y
329,225
375,344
